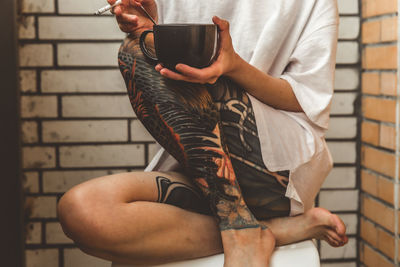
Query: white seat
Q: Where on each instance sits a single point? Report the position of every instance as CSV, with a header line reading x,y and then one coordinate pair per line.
x,y
302,254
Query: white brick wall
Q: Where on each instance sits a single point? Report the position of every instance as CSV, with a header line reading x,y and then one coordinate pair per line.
x,y
81,81
41,258
77,122
27,81
36,55
79,28
85,131
88,54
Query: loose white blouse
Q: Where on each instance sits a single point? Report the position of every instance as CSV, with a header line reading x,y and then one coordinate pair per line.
x,y
294,40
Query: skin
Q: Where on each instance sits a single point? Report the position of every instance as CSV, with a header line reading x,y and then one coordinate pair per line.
x,y
243,245
117,218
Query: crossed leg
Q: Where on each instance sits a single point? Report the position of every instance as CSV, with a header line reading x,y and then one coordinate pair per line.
x,y
120,218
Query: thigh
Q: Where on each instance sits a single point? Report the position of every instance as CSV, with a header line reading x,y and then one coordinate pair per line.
x,y
171,188
263,191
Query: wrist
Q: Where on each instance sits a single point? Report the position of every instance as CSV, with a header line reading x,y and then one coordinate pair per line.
x,y
235,66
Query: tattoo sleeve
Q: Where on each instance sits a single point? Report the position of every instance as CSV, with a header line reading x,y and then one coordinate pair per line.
x,y
184,119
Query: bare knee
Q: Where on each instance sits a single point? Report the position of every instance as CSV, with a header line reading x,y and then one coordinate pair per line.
x,y
81,219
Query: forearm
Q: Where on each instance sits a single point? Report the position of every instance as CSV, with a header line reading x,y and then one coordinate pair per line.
x,y
270,90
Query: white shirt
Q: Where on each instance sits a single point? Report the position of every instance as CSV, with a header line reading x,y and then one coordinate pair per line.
x,y
296,41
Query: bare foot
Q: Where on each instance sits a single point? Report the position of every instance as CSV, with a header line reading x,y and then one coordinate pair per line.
x,y
316,223
248,247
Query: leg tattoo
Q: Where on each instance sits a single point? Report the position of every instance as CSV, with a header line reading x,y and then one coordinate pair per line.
x,y
181,195
184,119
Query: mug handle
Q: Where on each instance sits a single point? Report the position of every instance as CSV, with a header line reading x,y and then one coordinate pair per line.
x,y
143,46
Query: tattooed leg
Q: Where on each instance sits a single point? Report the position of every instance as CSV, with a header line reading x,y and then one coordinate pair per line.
x,y
263,191
183,119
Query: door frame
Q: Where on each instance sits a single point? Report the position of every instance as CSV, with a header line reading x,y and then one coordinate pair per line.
x,y
11,197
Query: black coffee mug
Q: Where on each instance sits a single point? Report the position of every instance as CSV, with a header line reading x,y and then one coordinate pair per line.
x,y
191,44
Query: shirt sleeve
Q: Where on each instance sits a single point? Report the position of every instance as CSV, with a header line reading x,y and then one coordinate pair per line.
x,y
310,71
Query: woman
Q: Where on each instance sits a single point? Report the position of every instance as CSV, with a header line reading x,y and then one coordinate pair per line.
x,y
248,131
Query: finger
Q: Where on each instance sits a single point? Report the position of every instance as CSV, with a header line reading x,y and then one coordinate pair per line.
x,y
175,76
204,74
223,25
124,18
111,2
159,67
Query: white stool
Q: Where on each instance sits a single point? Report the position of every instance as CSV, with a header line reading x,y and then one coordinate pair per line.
x,y
302,254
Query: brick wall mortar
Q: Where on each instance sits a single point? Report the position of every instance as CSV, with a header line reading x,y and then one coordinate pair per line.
x,y
378,134
58,78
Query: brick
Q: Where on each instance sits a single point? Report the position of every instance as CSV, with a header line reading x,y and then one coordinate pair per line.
x,y
27,81
82,81
387,137
378,212
369,182
351,221
371,32
342,128
370,132
380,57
346,252
343,103
368,232
55,234
29,132
388,83
38,6
348,7
348,200
371,83
153,149
386,190
41,258
84,131
349,27
88,54
62,181
378,160
347,79
35,55
379,109
38,106
372,8
343,152
26,27
38,157
386,243
341,177
102,156
33,233
30,182
389,29
347,53
139,132
41,207
74,257
79,28
373,258
97,106
79,7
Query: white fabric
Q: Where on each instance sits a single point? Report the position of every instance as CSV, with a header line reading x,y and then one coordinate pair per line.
x,y
296,41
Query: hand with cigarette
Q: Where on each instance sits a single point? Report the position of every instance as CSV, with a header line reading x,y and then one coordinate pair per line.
x,y
131,18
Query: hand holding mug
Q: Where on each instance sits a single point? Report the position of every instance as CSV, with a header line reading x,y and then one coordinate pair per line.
x,y
225,64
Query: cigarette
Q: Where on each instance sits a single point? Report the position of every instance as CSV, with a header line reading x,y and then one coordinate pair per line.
x,y
107,7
